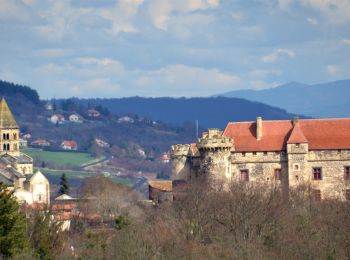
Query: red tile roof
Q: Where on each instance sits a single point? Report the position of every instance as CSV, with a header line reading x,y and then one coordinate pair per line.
x,y
71,144
321,134
161,185
297,136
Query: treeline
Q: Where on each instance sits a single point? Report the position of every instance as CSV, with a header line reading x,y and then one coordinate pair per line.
x,y
241,222
11,89
210,111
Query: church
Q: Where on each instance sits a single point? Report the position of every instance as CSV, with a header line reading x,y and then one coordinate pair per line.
x,y
283,153
16,168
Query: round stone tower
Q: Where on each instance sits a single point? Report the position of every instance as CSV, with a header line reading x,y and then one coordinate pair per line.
x,y
215,150
180,162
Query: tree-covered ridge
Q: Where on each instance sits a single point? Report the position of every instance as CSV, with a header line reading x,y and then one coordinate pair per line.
x,y
11,89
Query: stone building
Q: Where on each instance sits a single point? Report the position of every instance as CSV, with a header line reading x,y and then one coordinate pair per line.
x,y
16,168
286,153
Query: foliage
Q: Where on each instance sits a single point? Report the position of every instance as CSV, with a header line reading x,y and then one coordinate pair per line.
x,y
64,186
11,89
13,237
45,235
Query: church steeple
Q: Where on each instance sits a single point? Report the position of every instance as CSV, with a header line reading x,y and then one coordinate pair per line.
x,y
9,131
7,121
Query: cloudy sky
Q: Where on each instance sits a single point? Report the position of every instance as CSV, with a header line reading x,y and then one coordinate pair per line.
x,y
118,48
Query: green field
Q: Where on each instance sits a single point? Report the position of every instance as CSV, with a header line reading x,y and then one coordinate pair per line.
x,y
54,175
61,158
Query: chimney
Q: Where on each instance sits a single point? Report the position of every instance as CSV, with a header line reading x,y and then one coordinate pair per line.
x,y
259,128
295,120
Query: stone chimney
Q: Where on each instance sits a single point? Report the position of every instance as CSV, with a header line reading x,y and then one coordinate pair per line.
x,y
295,120
259,132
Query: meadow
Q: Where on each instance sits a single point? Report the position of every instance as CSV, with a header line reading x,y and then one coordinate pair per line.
x,y
61,158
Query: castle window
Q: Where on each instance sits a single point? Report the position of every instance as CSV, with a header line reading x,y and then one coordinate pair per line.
x,y
317,172
14,136
7,136
244,175
4,136
8,147
243,154
278,174
347,172
254,153
317,195
265,153
296,167
297,145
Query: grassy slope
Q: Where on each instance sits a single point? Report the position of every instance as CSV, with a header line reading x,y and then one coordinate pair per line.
x,y
64,158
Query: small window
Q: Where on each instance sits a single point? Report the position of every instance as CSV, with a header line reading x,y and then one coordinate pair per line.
x,y
4,136
296,167
244,175
8,136
4,147
265,153
254,153
317,195
277,174
297,145
347,194
317,172
243,154
14,136
277,153
347,172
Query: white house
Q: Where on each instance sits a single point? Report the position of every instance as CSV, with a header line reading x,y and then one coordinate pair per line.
x,y
69,145
125,119
75,118
57,119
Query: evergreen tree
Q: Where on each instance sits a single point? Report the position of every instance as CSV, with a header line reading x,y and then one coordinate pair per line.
x,y
64,189
13,237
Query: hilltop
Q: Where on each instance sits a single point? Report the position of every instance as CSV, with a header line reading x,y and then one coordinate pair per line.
x,y
320,100
210,112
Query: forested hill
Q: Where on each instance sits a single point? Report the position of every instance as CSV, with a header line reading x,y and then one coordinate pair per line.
x,y
8,89
211,112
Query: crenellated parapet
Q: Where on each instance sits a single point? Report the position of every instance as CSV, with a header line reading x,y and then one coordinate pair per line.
x,y
214,140
180,150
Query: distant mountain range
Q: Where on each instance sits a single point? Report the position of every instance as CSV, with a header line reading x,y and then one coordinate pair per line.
x,y
330,99
210,112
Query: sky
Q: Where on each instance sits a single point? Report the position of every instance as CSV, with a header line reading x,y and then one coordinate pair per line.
x,y
121,48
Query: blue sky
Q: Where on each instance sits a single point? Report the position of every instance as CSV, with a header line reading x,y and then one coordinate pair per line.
x,y
118,48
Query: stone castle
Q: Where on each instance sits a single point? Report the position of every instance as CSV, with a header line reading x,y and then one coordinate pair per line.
x,y
16,168
286,153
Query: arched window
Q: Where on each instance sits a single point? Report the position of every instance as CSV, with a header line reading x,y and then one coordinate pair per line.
x,y
4,136
14,136
24,169
4,147
8,147
7,136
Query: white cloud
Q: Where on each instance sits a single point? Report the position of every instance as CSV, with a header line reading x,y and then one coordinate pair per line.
x,y
121,16
332,70
312,21
10,10
183,80
259,84
336,11
346,41
277,54
284,4
161,10
262,73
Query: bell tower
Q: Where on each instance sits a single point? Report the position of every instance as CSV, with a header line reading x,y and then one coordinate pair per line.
x,y
9,131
